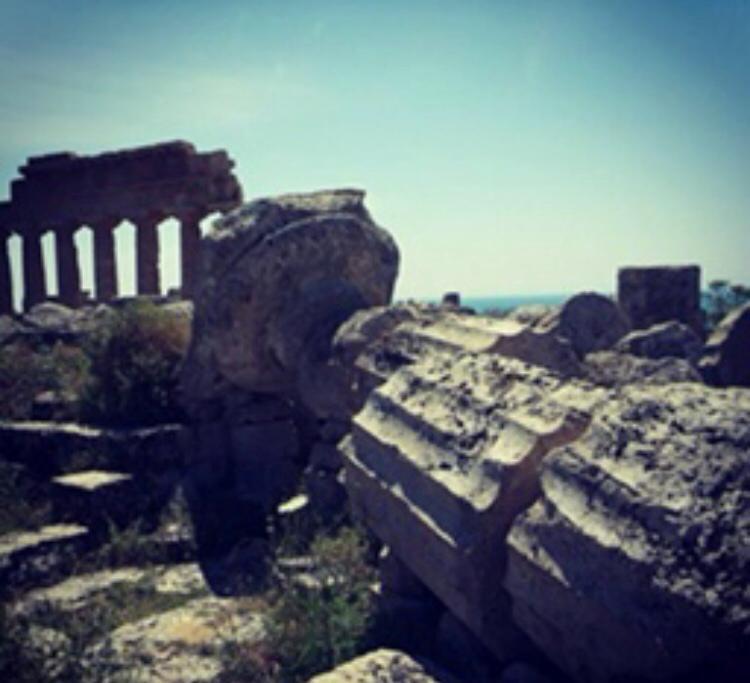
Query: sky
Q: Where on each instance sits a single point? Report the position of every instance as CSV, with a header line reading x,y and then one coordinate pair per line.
x,y
514,147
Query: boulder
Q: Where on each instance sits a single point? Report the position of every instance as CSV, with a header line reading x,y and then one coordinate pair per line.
x,y
726,358
442,458
278,276
385,666
671,339
633,564
589,321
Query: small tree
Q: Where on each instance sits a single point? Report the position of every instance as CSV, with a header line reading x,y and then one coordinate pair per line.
x,y
722,298
134,360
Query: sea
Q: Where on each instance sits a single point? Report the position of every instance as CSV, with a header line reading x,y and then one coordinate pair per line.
x,y
483,304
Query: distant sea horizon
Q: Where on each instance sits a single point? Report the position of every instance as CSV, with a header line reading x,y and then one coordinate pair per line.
x,y
507,302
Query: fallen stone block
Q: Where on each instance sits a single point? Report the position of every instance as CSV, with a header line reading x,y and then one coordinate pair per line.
x,y
385,666
671,339
634,563
442,458
41,557
726,358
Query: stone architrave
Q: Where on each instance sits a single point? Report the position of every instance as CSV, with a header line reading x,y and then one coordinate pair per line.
x,y
6,291
34,285
147,255
105,263
68,274
168,179
190,239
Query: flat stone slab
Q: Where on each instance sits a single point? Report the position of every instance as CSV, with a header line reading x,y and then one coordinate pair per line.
x,y
29,558
76,593
92,480
98,497
385,666
183,645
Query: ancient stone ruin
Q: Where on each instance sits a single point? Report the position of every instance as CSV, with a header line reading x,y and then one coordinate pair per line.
x,y
556,495
64,192
659,294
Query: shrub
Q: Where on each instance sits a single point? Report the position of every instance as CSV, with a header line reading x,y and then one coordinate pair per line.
x,y
25,372
134,361
721,298
313,628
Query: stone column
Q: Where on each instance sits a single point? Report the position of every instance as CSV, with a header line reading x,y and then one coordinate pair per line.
x,y
6,286
68,273
34,285
105,262
147,262
190,240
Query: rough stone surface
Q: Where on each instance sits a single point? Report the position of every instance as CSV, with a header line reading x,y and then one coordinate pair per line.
x,y
279,276
181,645
639,543
671,339
442,458
50,448
433,331
612,369
385,666
589,321
726,359
35,558
77,593
657,294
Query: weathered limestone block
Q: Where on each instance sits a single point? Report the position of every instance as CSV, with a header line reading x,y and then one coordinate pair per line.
x,y
50,448
385,666
428,331
37,558
279,276
613,369
442,458
671,339
183,645
589,321
97,497
657,294
634,564
726,359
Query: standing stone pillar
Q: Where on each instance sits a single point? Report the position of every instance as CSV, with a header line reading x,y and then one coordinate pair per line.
x,y
147,262
68,273
190,240
105,263
6,291
34,285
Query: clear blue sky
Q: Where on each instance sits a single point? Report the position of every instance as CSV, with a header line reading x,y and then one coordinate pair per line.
x,y
510,147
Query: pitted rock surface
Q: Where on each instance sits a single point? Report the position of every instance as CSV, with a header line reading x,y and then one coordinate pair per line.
x,y
385,666
441,459
639,543
671,339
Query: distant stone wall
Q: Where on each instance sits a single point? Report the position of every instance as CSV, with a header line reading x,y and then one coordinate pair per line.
x,y
657,294
63,192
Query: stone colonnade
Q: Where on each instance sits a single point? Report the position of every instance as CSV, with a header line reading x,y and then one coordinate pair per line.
x,y
105,262
62,192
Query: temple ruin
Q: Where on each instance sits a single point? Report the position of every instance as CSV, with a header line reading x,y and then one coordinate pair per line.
x,y
64,192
